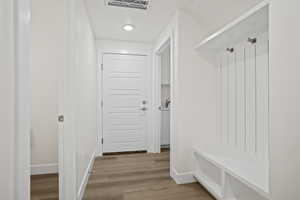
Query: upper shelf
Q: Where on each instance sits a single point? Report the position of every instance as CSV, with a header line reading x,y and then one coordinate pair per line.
x,y
250,24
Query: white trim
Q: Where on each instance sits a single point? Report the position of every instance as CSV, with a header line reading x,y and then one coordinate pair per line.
x,y
233,24
157,64
44,169
164,46
22,15
86,176
182,178
66,92
99,100
168,36
157,92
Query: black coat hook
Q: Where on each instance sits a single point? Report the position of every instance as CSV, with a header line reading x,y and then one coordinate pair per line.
x,y
231,50
252,40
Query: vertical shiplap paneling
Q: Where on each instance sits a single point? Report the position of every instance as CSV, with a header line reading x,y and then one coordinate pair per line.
x,y
244,97
250,97
262,63
240,105
231,99
225,98
220,110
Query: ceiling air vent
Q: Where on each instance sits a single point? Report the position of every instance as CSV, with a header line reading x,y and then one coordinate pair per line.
x,y
136,4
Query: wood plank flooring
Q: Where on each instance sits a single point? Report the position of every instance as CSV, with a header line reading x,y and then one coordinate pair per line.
x,y
44,187
137,176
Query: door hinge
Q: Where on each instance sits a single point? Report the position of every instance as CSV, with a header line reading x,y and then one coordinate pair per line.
x,y
102,68
102,141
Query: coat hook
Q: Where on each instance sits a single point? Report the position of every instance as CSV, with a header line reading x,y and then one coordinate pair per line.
x,y
231,50
252,40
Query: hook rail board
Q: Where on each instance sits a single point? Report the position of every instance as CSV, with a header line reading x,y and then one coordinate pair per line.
x,y
253,22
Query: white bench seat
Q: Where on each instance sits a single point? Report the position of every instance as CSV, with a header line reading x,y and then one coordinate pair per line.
x,y
253,175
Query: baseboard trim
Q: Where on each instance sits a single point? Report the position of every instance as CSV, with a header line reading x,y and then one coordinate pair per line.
x,y
86,176
44,169
182,178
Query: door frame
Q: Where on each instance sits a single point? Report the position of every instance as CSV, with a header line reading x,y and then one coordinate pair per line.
x,y
157,85
22,29
168,39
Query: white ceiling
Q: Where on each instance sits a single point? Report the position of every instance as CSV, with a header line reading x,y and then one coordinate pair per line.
x,y
108,21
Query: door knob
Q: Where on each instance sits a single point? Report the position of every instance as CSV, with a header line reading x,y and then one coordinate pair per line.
x,y
144,109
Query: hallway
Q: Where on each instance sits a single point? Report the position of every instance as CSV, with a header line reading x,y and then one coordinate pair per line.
x,y
138,176
149,100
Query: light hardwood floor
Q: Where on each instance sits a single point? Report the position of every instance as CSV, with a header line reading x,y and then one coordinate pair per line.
x,y
44,187
137,176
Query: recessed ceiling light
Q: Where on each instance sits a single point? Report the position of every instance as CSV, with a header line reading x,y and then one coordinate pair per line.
x,y
128,27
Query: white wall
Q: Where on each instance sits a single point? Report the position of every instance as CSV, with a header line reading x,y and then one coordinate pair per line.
x,y
85,97
14,103
196,95
123,47
194,92
7,102
284,99
50,55
23,96
47,57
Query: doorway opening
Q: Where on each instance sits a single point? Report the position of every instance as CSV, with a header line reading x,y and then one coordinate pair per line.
x,y
165,98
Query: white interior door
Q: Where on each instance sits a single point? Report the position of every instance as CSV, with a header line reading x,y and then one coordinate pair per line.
x,y
124,103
